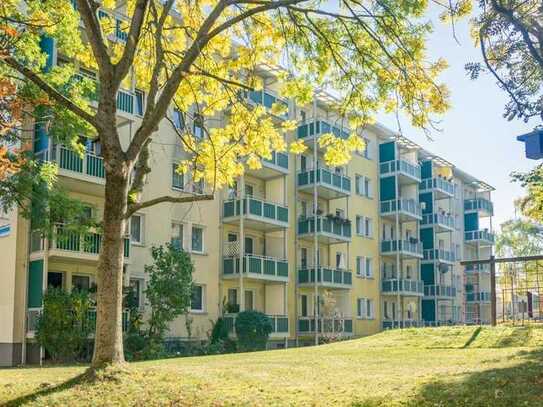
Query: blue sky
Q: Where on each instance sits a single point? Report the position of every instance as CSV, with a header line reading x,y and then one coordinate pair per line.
x,y
475,136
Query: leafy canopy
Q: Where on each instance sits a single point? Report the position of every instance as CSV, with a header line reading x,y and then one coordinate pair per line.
x,y
204,56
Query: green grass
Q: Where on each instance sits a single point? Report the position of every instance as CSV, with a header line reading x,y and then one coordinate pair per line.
x,y
466,366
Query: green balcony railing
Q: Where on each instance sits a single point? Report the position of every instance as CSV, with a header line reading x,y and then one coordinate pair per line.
x,y
279,323
438,290
388,324
437,219
320,127
257,266
439,254
278,159
88,243
326,275
406,246
125,99
334,227
479,235
340,325
268,99
478,268
400,166
478,296
437,183
477,204
413,287
409,206
256,207
326,178
89,164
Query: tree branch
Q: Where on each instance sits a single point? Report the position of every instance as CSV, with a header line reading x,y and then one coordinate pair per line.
x,y
50,91
166,199
127,59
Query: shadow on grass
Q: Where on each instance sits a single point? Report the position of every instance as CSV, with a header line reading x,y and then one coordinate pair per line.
x,y
473,336
83,378
518,385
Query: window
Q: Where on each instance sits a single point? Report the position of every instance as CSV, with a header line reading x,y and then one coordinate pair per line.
x,y
178,180
303,162
54,279
359,225
177,235
408,272
140,101
197,239
363,186
198,187
369,267
136,287
304,305
303,116
340,213
197,298
198,126
367,187
249,300
249,246
364,308
368,227
364,266
340,260
303,257
249,190
136,229
367,149
80,283
178,119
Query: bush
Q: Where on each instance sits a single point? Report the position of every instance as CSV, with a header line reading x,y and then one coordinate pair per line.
x,y
64,325
219,333
252,329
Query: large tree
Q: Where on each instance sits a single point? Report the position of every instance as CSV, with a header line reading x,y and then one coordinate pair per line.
x,y
202,57
510,35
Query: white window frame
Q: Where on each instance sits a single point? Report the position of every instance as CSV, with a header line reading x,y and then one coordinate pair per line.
x,y
203,239
359,225
365,308
174,173
368,227
141,240
203,310
183,229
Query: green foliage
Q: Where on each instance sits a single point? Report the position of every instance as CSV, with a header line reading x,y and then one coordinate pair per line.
x,y
219,332
519,237
169,287
64,325
252,329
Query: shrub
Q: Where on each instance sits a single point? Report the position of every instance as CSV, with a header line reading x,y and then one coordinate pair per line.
x,y
252,329
219,331
64,325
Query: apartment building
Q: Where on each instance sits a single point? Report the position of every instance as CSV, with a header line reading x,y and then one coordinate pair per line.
x,y
344,251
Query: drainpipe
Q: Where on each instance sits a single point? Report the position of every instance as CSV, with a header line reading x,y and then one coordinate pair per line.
x,y
242,207
315,222
398,235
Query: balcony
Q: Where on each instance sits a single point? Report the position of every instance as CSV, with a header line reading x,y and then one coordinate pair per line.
x,y
440,291
329,229
439,186
258,214
33,315
441,222
403,287
407,209
478,268
127,107
482,296
481,237
275,167
408,172
326,326
256,267
405,248
268,99
440,255
329,184
316,128
389,324
279,325
483,206
68,244
326,277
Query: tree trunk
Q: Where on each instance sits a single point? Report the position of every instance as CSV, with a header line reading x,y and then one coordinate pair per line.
x,y
108,346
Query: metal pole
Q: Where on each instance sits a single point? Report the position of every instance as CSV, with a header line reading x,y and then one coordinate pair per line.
x,y
492,291
315,221
242,209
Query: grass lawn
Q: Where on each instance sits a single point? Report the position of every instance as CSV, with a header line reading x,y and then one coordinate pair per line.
x,y
465,366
